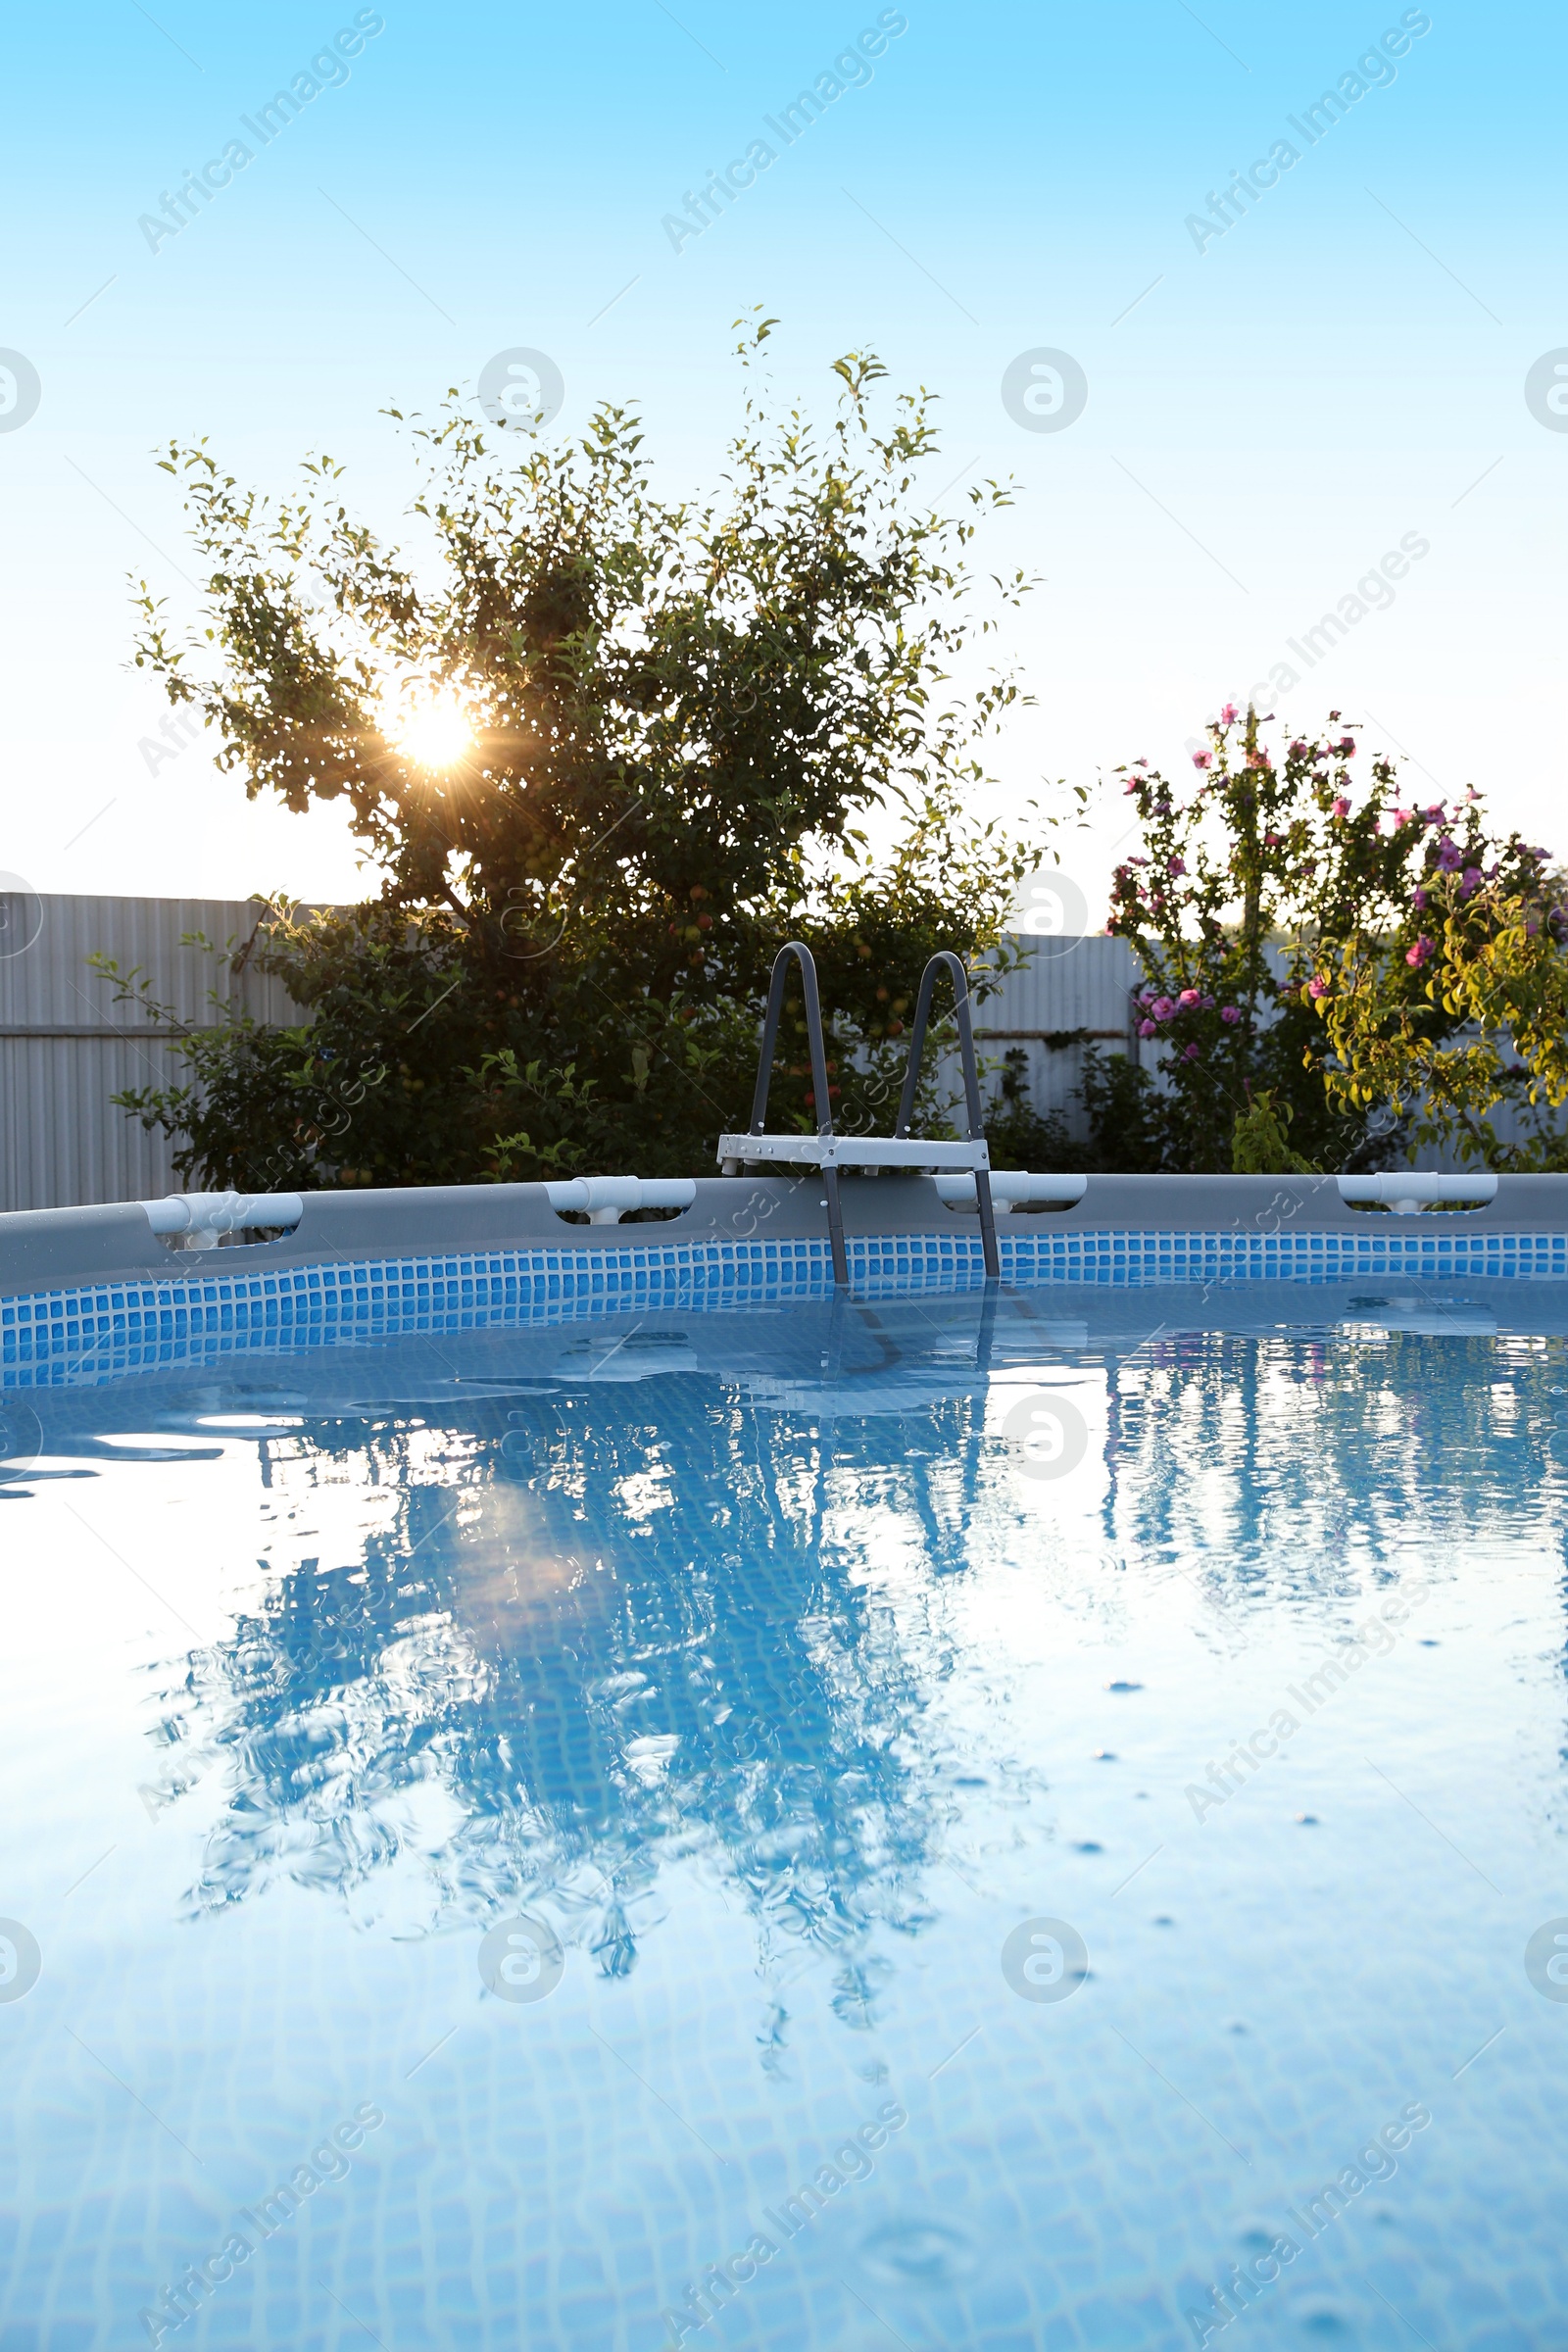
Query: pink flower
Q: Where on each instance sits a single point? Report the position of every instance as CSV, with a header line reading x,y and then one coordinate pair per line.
x,y
1344,749
1298,749
1189,997
1132,787
1433,814
1228,715
1317,987
1450,856
1163,1008
1175,865
1229,1014
1341,806
1418,900
1148,1028
1190,1053
1403,816
1417,956
1200,760
1271,841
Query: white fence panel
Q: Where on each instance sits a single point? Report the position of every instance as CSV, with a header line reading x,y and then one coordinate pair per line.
x,y
1066,985
65,1048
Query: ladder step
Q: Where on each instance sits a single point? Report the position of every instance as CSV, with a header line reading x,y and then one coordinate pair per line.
x,y
855,1151
829,1151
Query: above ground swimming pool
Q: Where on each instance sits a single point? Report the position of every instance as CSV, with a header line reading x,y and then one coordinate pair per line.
x,y
1009,1816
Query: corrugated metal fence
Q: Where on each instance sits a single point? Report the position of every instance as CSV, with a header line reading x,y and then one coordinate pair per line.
x,y
1072,993
65,1048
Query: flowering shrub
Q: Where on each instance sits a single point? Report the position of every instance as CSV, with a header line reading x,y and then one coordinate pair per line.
x,y
1308,934
1473,1012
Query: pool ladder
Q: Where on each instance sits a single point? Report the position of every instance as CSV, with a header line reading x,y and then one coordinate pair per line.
x,y
830,1151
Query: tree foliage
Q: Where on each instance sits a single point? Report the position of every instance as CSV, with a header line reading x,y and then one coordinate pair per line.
x,y
685,722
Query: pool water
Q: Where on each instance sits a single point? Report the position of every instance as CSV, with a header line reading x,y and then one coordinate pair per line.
x,y
1036,1821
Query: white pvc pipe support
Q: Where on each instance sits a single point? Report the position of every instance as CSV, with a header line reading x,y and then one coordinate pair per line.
x,y
605,1198
1011,1188
221,1213
1410,1190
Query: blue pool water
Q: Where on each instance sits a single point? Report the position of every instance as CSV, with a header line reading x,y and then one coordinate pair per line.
x,y
964,1820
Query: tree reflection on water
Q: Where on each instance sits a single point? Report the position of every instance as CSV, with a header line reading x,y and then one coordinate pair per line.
x,y
603,1631
608,1636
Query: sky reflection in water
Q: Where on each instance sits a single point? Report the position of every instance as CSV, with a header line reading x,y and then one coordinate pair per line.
x,y
753,1658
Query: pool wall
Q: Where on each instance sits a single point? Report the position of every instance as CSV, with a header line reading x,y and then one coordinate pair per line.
x,y
94,1294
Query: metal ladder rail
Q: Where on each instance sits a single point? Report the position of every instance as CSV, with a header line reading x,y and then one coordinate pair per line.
x,y
819,1055
944,957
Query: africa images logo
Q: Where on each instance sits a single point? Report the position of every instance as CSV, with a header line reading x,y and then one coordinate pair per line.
x,y
327,69
1373,70
850,70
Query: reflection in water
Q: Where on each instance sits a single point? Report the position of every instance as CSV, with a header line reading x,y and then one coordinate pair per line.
x,y
638,1610
612,1633
1297,1463
747,1652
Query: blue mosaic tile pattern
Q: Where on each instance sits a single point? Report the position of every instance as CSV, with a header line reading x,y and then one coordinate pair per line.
x,y
102,1333
121,1327
796,1723
1388,1247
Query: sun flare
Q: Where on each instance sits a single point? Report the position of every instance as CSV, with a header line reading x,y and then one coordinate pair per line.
x,y
433,732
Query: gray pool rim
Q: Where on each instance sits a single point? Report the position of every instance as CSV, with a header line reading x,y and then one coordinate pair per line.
x,y
50,1249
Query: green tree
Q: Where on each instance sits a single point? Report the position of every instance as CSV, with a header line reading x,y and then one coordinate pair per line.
x,y
607,752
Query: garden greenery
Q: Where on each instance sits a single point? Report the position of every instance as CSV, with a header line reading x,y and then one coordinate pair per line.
x,y
674,725
607,752
1332,973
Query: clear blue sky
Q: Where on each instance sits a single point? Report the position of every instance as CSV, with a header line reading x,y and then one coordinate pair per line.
x,y
1341,370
